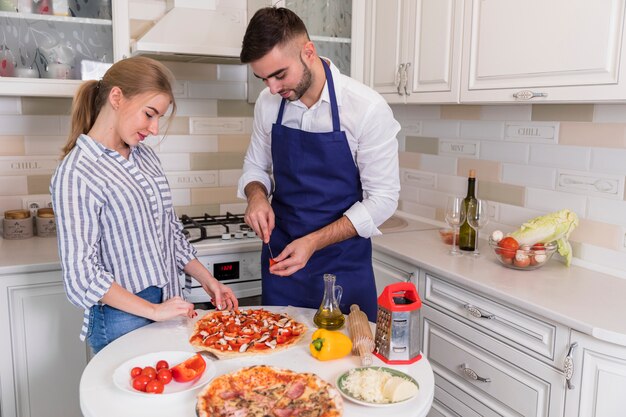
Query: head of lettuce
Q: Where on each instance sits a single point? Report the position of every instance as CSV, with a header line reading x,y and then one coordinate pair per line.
x,y
552,227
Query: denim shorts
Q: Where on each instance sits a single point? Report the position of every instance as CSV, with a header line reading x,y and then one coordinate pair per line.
x,y
107,323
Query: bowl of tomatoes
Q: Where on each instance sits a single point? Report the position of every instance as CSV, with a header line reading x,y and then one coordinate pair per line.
x,y
522,257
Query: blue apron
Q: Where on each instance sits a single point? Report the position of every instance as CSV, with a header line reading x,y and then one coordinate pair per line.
x,y
316,182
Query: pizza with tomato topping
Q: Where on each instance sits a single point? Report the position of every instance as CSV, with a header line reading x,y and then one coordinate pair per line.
x,y
246,332
265,391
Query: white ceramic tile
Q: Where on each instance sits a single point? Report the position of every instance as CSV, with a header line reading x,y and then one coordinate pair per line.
x,y
438,164
44,145
28,165
13,186
181,197
10,105
608,261
196,107
234,208
411,128
550,201
10,203
225,90
175,161
608,160
232,73
219,125
433,198
416,178
609,113
607,211
193,179
516,215
532,132
29,125
623,248
65,126
188,143
504,151
418,111
418,209
587,183
511,112
471,129
440,128
452,184
541,177
401,142
559,156
459,148
180,89
229,177
409,193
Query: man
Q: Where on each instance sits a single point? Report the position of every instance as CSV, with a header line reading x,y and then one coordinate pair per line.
x,y
330,143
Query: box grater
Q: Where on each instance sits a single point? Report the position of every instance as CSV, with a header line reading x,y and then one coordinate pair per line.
x,y
397,324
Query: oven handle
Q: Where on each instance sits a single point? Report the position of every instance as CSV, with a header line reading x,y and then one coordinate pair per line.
x,y
409,275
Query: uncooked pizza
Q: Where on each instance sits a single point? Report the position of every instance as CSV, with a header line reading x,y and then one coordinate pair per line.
x,y
246,332
265,391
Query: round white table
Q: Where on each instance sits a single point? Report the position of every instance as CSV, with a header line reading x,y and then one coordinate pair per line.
x,y
100,397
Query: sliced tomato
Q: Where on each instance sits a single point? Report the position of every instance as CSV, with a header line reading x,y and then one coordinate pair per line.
x,y
282,338
260,346
189,370
272,262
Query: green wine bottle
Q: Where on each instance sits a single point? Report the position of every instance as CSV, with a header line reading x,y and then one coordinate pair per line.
x,y
467,234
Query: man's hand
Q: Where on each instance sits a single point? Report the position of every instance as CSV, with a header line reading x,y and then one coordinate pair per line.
x,y
259,214
294,257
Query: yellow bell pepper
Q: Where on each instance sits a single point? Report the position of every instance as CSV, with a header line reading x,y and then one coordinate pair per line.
x,y
329,344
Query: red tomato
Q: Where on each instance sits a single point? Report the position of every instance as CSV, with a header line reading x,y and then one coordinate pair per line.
x,y
190,369
136,371
164,375
154,387
281,338
538,246
162,364
140,382
507,247
150,372
272,262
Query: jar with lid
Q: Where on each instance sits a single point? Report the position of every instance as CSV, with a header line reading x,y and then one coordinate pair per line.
x,y
46,226
17,224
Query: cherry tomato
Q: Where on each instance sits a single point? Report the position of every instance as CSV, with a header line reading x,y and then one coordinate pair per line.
x,y
538,246
507,247
154,387
162,364
140,382
136,371
164,375
190,369
150,372
272,262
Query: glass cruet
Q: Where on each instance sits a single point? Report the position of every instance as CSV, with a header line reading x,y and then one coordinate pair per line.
x,y
329,316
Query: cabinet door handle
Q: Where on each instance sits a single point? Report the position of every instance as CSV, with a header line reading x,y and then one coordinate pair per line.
x,y
471,374
478,313
405,78
568,366
527,95
398,80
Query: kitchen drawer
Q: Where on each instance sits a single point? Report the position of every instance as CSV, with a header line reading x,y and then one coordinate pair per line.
x,y
509,383
534,335
450,401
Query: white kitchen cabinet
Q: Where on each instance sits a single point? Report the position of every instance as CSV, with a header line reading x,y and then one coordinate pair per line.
x,y
43,359
413,49
598,380
42,54
388,270
543,51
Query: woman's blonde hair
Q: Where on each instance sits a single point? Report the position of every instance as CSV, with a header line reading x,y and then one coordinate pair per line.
x,y
133,76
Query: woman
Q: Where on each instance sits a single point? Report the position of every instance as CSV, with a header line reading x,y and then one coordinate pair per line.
x,y
120,242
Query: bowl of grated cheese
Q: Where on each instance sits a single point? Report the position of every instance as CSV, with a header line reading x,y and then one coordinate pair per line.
x,y
377,386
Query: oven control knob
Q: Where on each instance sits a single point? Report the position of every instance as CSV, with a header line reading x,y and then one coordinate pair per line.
x,y
238,235
225,236
250,234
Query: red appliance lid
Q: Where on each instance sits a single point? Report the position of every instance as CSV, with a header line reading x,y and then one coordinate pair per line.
x,y
401,296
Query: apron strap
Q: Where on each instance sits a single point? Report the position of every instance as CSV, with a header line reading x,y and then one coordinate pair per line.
x,y
279,119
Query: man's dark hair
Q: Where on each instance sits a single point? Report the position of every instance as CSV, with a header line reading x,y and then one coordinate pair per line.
x,y
270,26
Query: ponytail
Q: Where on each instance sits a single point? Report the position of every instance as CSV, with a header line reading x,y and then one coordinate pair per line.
x,y
85,108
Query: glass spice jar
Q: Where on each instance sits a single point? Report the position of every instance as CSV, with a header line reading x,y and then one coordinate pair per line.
x,y
17,224
45,223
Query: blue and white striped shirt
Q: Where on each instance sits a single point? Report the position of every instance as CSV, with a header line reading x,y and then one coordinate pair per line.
x,y
116,222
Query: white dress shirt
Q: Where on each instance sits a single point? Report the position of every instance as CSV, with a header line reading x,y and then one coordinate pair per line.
x,y
370,128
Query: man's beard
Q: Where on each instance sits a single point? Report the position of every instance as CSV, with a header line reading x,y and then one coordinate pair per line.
x,y
304,84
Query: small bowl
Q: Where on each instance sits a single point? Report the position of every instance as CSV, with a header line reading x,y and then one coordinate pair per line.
x,y
524,259
446,236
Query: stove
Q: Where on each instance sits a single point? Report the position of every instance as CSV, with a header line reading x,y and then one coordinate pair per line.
x,y
227,247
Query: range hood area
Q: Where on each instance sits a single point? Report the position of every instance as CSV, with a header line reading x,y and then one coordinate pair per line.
x,y
200,31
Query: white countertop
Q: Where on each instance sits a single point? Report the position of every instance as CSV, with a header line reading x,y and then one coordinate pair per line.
x,y
99,396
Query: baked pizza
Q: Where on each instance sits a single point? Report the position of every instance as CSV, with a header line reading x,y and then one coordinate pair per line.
x,y
246,332
265,391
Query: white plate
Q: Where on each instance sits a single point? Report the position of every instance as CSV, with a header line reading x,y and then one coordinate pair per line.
x,y
121,375
393,372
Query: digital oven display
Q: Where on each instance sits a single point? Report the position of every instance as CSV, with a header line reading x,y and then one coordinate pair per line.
x,y
226,270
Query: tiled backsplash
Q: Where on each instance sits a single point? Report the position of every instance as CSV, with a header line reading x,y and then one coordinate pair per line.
x,y
530,160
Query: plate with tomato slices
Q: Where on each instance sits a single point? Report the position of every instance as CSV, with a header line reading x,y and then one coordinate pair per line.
x,y
192,376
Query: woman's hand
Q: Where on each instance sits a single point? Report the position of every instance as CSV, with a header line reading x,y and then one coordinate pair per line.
x,y
222,296
171,308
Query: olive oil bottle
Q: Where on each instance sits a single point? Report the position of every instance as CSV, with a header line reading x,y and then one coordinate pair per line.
x,y
467,234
